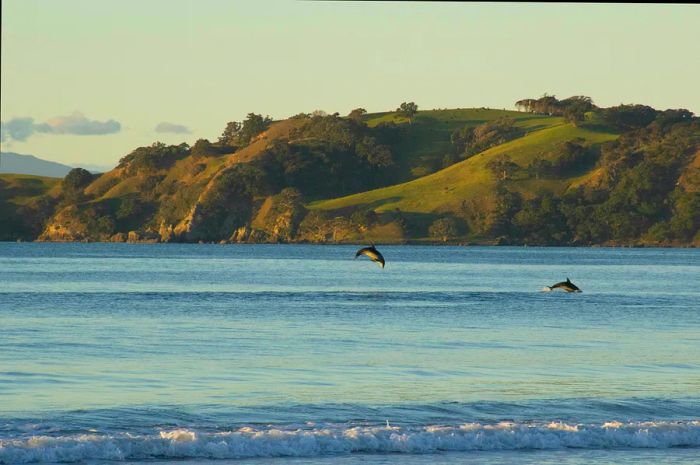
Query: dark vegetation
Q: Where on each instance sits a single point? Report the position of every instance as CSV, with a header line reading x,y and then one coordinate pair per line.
x,y
239,134
570,158
471,140
328,156
408,110
27,220
158,156
229,205
74,184
549,105
639,197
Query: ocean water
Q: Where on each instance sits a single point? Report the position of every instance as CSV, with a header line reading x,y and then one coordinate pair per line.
x,y
300,354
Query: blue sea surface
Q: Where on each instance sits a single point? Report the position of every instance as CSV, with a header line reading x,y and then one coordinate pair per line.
x,y
200,353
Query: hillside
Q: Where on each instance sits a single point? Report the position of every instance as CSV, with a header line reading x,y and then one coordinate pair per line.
x,y
25,202
560,172
445,190
422,149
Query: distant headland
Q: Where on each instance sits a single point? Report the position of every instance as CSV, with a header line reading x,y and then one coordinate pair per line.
x,y
555,172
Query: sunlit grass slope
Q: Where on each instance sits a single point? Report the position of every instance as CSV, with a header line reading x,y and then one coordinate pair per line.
x,y
427,139
22,188
471,179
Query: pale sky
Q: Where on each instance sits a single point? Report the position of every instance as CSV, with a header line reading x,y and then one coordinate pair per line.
x,y
100,78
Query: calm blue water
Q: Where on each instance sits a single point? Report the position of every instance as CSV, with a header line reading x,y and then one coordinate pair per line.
x,y
300,354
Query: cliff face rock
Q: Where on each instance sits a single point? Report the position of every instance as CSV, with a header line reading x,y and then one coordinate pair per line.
x,y
241,234
690,176
208,225
166,232
282,223
278,217
225,205
118,237
66,226
142,236
74,224
181,230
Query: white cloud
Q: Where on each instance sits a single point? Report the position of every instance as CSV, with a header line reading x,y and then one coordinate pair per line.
x,y
21,129
17,129
172,127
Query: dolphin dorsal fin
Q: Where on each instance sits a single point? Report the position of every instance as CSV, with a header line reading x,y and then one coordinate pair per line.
x,y
568,280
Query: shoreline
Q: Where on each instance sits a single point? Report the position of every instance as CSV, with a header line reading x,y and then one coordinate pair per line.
x,y
380,243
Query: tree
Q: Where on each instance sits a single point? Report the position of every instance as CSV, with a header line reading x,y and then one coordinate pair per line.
x,y
228,203
628,117
547,104
252,126
685,222
571,156
500,218
315,226
375,154
407,109
285,213
582,101
443,229
502,167
364,219
357,114
671,116
474,213
74,183
129,207
203,148
105,225
131,213
462,139
540,221
242,133
154,157
575,114
539,168
470,140
230,134
527,105
341,227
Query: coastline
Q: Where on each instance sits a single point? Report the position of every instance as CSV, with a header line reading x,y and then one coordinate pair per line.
x,y
492,243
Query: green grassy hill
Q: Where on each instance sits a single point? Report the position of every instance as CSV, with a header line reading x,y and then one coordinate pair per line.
x,y
427,139
25,202
21,189
446,190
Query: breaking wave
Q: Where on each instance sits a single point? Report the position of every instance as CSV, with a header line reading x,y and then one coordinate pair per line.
x,y
335,439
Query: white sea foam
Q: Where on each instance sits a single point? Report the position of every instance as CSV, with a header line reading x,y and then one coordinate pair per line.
x,y
557,425
335,439
179,435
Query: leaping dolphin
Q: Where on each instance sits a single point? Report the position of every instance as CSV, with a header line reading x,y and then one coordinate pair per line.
x,y
372,253
567,285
